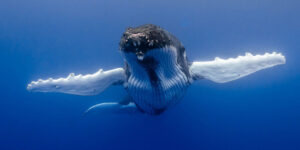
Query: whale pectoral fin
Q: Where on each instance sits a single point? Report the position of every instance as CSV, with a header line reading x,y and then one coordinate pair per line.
x,y
225,70
113,107
90,84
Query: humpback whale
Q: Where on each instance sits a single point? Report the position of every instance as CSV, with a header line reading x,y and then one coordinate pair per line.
x,y
156,72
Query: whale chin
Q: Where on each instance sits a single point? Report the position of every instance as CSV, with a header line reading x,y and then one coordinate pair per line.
x,y
140,57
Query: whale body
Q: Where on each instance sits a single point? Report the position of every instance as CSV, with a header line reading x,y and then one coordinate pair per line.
x,y
156,72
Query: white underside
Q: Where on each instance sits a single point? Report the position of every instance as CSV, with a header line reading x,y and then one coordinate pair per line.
x,y
90,84
225,70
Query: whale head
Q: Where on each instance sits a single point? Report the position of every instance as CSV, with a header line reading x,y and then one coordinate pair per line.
x,y
150,45
143,39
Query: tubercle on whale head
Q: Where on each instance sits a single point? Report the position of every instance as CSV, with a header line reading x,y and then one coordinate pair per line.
x,y
142,39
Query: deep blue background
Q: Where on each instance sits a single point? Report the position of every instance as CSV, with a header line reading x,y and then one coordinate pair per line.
x,y
51,38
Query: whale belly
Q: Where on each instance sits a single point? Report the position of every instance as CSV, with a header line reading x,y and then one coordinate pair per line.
x,y
154,99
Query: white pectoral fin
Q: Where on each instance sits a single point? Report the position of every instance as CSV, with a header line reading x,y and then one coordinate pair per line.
x,y
90,84
225,70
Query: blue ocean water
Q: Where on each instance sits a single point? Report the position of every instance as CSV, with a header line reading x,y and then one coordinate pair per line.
x,y
51,38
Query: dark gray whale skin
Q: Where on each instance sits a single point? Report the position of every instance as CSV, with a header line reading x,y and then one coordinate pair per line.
x,y
159,38
145,38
